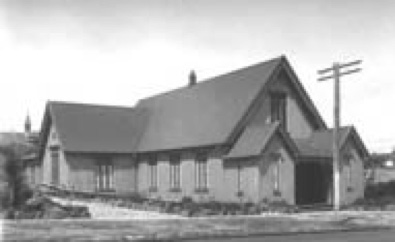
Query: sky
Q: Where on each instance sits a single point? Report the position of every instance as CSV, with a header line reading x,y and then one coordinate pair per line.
x,y
118,51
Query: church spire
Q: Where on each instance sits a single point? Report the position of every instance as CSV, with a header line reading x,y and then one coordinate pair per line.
x,y
28,125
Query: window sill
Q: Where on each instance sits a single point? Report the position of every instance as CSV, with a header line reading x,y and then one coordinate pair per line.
x,y
201,190
105,190
153,189
277,193
175,189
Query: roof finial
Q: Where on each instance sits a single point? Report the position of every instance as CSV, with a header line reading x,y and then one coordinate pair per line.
x,y
192,78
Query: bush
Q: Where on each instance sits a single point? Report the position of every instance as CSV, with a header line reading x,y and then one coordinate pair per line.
x,y
186,200
281,206
17,191
379,194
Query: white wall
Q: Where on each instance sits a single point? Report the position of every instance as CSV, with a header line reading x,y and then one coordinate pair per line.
x,y
53,140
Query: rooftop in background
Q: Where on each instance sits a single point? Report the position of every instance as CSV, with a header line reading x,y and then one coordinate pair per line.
x,y
7,138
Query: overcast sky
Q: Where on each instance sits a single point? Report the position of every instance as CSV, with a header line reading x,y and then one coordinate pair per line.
x,y
116,52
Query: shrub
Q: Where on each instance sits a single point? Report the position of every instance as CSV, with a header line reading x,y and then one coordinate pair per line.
x,y
379,194
17,191
281,206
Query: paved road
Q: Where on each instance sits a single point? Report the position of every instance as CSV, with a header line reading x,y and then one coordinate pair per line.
x,y
369,236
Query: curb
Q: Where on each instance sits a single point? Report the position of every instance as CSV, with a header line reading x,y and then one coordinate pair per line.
x,y
244,234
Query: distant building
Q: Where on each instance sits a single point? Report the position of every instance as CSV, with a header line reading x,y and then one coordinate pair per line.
x,y
389,164
3,178
383,168
247,135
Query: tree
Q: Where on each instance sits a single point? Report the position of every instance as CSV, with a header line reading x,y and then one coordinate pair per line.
x,y
376,160
17,191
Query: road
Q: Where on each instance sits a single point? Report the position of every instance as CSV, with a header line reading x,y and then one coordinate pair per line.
x,y
365,236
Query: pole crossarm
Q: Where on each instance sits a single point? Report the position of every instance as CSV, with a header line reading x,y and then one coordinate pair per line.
x,y
339,66
340,74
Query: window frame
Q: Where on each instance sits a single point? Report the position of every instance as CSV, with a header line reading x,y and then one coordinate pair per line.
x,y
278,108
201,173
153,173
239,169
105,175
175,172
55,165
277,161
350,160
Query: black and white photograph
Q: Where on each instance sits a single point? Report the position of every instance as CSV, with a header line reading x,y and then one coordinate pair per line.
x,y
197,120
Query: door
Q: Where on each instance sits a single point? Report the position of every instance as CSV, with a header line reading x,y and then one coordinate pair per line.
x,y
311,183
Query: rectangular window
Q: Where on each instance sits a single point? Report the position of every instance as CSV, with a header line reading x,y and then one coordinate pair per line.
x,y
105,176
239,169
279,108
277,161
239,192
348,168
276,176
175,172
201,173
153,173
55,166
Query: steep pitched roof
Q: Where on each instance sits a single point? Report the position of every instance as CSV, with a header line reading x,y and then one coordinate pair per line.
x,y
206,113
254,140
319,144
95,128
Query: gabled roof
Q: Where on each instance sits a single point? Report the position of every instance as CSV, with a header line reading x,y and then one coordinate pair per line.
x,y
96,128
206,113
319,144
210,112
255,139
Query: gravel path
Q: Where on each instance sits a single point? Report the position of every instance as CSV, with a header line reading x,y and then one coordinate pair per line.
x,y
107,211
100,210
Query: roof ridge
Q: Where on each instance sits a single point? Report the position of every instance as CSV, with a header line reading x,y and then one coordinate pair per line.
x,y
213,78
50,102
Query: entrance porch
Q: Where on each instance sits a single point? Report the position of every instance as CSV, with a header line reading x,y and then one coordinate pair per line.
x,y
313,181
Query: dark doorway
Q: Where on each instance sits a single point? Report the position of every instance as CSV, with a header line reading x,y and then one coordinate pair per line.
x,y
312,183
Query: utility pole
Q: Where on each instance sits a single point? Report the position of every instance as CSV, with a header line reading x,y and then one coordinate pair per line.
x,y
335,74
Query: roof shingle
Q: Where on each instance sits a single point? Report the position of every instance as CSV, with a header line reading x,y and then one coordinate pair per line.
x,y
319,143
95,128
204,114
253,141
